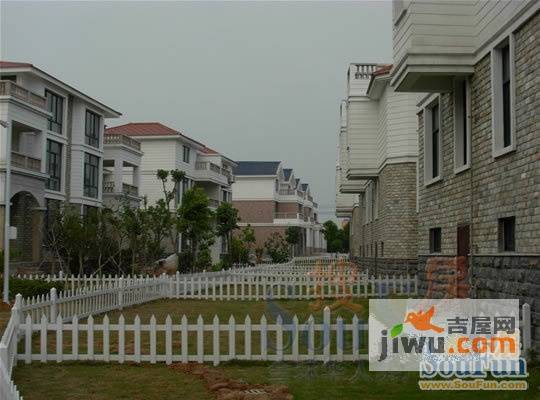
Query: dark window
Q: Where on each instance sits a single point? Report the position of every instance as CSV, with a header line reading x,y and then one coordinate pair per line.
x,y
91,130
464,133
91,175
186,154
507,234
435,235
505,59
382,249
54,165
435,141
185,185
12,78
55,105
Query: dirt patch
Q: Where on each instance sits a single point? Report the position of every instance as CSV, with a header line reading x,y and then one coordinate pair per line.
x,y
231,389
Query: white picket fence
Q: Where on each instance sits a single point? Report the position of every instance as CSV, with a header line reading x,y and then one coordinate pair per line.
x,y
279,341
8,353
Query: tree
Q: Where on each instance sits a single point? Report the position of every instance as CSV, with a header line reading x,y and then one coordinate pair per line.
x,y
337,240
226,222
162,213
195,222
293,235
248,236
277,248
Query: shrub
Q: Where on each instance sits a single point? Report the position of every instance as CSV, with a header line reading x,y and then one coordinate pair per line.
x,y
29,288
204,259
277,248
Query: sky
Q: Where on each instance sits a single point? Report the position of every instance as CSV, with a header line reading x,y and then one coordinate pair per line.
x,y
253,80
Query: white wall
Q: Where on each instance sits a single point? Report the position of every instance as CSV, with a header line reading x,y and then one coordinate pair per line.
x,y
256,188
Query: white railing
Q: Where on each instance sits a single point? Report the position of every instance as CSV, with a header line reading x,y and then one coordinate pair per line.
x,y
264,341
8,353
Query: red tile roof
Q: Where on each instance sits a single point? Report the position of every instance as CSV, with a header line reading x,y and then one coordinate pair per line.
x,y
144,129
383,70
12,64
208,150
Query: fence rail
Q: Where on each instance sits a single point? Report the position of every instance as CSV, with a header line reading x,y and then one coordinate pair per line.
x,y
280,341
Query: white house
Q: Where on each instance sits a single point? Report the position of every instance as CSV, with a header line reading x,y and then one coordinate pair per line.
x,y
169,149
51,151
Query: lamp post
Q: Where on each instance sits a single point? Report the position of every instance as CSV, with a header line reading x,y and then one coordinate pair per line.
x,y
7,204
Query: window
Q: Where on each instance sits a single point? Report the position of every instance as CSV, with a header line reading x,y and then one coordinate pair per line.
x,y
502,98
462,137
185,156
507,234
55,105
54,165
382,249
185,185
12,78
91,175
92,128
435,235
432,143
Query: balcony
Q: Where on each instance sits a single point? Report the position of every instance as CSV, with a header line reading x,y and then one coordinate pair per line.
x,y
26,162
127,189
208,171
433,43
123,140
8,88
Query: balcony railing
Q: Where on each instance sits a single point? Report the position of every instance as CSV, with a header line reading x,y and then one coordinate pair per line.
x,y
108,187
8,88
26,162
115,138
209,166
284,215
287,192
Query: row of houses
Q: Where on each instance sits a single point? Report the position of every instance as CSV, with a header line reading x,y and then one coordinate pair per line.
x,y
56,148
438,153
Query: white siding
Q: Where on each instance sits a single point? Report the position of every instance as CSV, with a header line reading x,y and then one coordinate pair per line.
x,y
256,188
362,134
401,124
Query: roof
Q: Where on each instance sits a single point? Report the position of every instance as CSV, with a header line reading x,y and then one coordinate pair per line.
x,y
383,70
14,65
257,168
208,150
144,129
287,172
304,186
296,182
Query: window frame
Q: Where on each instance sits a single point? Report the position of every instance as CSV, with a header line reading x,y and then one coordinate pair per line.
x,y
462,121
87,185
186,154
58,165
55,119
497,98
434,247
89,139
502,233
428,142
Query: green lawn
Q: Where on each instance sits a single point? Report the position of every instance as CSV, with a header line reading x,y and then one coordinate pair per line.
x,y
78,380
305,381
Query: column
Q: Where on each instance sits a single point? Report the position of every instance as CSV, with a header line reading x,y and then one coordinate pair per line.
x,y
118,173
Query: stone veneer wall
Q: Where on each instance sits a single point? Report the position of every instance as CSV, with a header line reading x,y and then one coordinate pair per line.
x,y
500,187
392,235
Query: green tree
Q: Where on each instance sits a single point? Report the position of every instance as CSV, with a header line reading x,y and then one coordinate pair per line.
x,y
226,222
195,222
248,236
293,235
337,239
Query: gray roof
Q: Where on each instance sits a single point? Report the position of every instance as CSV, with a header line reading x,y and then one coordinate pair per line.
x,y
257,168
287,172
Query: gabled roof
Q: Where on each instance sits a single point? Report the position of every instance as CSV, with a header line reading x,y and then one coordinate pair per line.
x,y
257,168
296,182
304,187
27,67
287,173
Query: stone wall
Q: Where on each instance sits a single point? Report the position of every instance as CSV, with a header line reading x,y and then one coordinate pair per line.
x,y
491,188
392,233
390,266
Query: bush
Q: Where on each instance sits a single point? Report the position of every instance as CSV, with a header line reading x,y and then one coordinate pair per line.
x,y
29,288
204,259
277,248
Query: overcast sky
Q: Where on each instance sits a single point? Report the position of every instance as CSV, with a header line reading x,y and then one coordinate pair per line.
x,y
255,81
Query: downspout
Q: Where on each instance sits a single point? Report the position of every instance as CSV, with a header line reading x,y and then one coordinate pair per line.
x,y
471,230
7,211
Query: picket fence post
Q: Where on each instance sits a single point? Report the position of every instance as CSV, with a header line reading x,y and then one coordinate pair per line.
x,y
121,293
52,312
